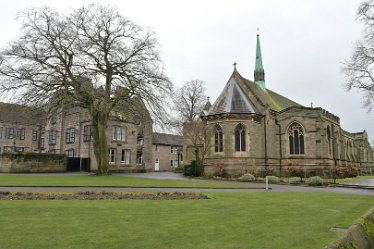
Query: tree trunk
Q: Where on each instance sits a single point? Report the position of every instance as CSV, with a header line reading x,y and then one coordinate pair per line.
x,y
99,127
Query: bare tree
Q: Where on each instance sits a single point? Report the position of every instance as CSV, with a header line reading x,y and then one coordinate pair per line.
x,y
189,101
93,58
197,140
359,70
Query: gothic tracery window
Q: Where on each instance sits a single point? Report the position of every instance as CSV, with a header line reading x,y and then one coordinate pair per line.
x,y
329,140
296,139
240,141
218,139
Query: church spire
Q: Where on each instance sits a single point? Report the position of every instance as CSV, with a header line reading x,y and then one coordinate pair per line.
x,y
259,69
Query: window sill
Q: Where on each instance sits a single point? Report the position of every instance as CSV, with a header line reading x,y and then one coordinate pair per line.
x,y
297,156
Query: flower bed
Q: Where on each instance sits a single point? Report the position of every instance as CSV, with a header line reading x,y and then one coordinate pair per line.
x,y
103,195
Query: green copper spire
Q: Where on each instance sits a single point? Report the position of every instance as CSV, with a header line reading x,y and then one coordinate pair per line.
x,y
259,69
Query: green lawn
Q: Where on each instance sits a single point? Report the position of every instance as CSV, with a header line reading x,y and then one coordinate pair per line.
x,y
107,181
228,220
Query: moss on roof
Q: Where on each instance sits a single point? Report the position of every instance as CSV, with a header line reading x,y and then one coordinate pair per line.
x,y
274,100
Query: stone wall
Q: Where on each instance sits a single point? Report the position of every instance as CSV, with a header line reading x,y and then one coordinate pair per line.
x,y
358,236
31,163
326,144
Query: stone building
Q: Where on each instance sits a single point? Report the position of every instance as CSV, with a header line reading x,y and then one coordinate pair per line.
x,y
132,145
129,138
251,128
20,128
167,151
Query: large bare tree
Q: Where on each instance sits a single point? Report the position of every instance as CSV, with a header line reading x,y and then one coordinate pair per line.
x,y
359,70
92,57
189,101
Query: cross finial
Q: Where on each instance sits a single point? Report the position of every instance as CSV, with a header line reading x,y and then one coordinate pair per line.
x,y
235,65
258,30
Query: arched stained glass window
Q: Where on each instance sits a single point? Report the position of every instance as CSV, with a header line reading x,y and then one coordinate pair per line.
x,y
240,142
329,140
296,139
218,139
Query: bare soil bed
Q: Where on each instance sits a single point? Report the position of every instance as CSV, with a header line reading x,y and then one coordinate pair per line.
x,y
100,195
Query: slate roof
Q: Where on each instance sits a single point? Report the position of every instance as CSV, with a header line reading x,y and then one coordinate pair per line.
x,y
232,100
20,114
241,95
167,139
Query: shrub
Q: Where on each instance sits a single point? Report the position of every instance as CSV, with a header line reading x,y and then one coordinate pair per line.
x,y
273,179
266,172
247,178
219,170
294,180
314,181
192,169
296,171
344,172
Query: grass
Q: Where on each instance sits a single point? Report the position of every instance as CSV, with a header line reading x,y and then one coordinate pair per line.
x,y
227,220
107,181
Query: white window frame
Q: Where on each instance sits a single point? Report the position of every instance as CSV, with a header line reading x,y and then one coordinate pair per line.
x,y
70,153
70,135
112,155
34,135
174,149
140,140
126,156
52,138
174,163
87,133
119,133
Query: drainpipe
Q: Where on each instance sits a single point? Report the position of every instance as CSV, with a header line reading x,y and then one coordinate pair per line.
x,y
62,131
333,151
266,148
39,139
280,145
80,144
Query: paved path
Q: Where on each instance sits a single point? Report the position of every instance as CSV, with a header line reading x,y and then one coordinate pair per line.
x,y
274,188
176,176
364,182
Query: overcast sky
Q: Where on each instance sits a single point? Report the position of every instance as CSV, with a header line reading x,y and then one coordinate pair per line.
x,y
304,44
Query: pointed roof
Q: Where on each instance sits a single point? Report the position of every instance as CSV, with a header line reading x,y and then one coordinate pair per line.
x,y
259,73
258,55
241,95
206,108
232,99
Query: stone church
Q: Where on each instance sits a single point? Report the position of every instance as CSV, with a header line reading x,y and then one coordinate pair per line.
x,y
252,128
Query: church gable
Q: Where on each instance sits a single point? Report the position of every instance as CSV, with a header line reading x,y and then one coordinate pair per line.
x,y
232,100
